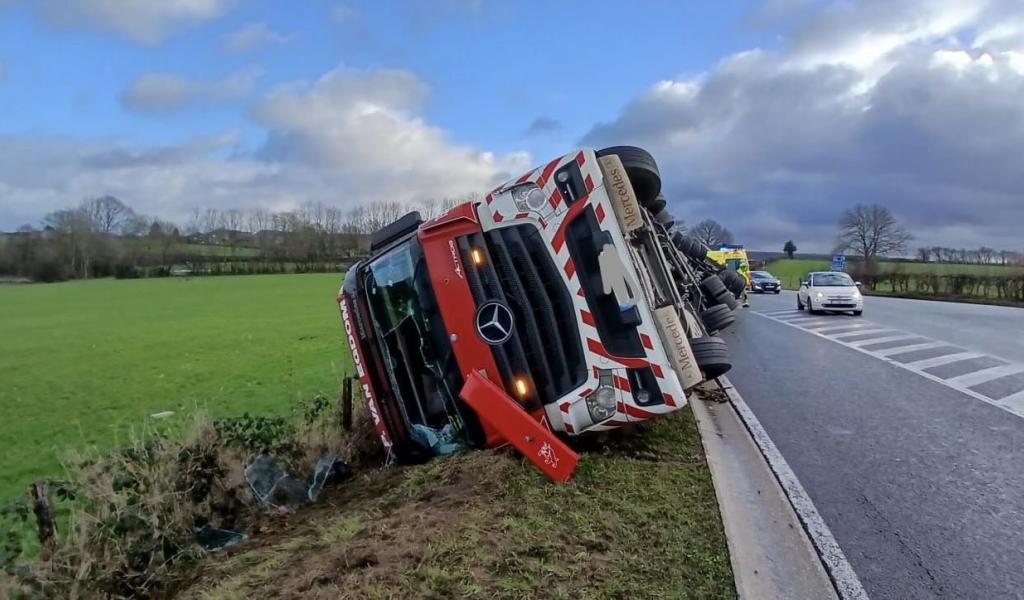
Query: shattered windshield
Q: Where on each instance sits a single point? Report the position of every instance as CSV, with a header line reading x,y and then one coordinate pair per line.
x,y
419,357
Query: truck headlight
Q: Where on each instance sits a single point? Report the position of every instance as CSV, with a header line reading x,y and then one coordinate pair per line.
x,y
856,294
603,401
529,197
601,404
819,295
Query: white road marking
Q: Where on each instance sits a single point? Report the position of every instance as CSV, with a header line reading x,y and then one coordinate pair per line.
x,y
840,336
943,360
910,348
979,377
1013,404
882,340
847,584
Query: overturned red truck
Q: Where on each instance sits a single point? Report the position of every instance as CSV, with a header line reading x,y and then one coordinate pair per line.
x,y
563,303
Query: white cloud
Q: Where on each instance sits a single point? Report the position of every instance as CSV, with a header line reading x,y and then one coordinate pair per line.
x,y
348,138
147,21
164,92
877,101
252,36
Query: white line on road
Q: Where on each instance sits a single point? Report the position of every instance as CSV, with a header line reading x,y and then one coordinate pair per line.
x,y
847,583
943,360
882,340
1014,402
872,330
979,377
910,348
961,384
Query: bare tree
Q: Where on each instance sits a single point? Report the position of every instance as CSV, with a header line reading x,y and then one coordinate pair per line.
x,y
711,233
924,254
789,248
871,231
107,213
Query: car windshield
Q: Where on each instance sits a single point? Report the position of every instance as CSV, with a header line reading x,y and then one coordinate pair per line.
x,y
762,275
416,348
831,280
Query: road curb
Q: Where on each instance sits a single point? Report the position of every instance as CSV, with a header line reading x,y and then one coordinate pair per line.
x,y
800,520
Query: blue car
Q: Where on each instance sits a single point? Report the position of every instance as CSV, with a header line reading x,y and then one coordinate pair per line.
x,y
763,282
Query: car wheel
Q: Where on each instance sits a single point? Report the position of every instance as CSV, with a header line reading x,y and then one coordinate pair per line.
x,y
711,355
717,318
810,309
642,170
778,291
799,304
858,313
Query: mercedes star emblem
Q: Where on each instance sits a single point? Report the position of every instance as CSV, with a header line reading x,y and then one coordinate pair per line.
x,y
494,323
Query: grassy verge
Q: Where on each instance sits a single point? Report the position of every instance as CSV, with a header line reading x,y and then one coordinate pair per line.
x,y
639,520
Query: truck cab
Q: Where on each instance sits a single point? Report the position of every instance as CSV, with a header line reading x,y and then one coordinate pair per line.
x,y
546,289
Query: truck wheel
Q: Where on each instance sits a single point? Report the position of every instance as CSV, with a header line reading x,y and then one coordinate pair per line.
x,y
717,318
642,170
729,300
657,205
712,287
689,246
665,219
711,355
733,281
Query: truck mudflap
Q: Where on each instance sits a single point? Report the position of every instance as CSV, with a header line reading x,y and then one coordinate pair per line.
x,y
531,438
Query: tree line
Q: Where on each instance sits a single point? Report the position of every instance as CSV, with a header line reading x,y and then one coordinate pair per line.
x,y
102,237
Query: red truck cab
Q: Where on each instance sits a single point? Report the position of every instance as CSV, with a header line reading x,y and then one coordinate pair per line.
x,y
539,294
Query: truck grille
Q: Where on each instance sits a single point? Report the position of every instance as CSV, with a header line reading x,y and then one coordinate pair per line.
x,y
518,271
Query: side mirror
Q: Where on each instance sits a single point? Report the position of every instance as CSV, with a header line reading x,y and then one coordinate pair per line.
x,y
857,283
803,283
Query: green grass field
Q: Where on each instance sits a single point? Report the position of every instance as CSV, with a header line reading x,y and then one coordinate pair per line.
x,y
790,271
84,363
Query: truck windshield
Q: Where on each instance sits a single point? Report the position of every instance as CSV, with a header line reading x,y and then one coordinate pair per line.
x,y
415,346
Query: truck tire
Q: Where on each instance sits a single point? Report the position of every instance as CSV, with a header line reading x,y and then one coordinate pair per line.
x,y
642,170
711,355
665,219
712,287
733,281
689,246
658,205
717,318
729,300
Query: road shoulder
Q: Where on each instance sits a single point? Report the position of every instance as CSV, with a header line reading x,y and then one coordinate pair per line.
x,y
771,552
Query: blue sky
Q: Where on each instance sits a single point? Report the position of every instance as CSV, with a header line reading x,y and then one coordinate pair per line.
x,y
492,70
771,116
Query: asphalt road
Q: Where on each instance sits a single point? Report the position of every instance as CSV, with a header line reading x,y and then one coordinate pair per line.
x,y
905,428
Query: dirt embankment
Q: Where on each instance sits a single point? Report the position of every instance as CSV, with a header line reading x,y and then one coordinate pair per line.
x,y
638,520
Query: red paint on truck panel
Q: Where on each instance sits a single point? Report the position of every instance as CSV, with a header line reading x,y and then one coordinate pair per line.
x,y
535,441
455,301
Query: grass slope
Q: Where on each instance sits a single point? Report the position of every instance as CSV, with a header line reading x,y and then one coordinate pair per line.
x,y
638,520
84,361
791,271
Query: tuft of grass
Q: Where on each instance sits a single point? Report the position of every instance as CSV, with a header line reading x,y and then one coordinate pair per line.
x,y
85,362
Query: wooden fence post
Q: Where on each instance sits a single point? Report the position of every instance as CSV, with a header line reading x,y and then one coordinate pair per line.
x,y
40,492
